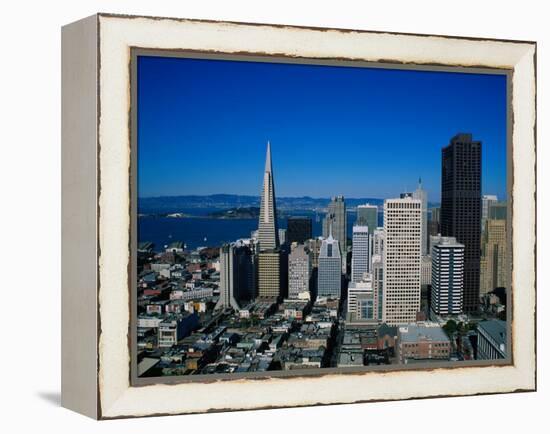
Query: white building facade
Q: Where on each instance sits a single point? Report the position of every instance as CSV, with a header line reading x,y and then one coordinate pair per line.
x,y
402,256
447,276
362,303
360,258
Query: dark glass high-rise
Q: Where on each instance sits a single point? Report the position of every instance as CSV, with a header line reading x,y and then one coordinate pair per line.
x,y
461,207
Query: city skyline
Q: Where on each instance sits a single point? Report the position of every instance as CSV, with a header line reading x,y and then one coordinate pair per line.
x,y
261,303
306,120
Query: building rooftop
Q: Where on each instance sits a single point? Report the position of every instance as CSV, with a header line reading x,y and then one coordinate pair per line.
x,y
385,329
496,329
422,331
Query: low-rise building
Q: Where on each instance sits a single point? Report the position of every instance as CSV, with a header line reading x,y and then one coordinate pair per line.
x,y
422,341
173,329
491,340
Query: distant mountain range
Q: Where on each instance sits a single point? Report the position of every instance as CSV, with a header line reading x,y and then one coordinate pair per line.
x,y
174,204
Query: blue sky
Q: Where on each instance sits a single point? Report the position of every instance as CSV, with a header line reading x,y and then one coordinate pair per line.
x,y
361,132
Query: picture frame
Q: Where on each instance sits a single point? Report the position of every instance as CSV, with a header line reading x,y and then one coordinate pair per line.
x,y
97,187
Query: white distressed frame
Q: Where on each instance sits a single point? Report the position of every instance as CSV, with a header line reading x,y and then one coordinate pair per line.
x,y
116,398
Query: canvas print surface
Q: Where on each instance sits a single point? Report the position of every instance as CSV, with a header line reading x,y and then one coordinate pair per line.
x,y
296,217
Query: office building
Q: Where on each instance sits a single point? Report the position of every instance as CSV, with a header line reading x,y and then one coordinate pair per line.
x,y
272,263
378,283
495,264
362,301
422,195
237,275
360,263
486,201
426,270
447,277
461,208
314,247
298,229
433,224
367,215
329,274
282,237
268,231
378,242
336,221
272,274
227,287
299,271
403,227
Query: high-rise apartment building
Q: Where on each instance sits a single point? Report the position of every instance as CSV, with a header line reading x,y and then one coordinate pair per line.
x,y
299,271
402,253
461,208
360,253
329,274
268,231
447,277
298,229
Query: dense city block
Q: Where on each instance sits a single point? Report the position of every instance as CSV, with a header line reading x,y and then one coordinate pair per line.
x,y
401,282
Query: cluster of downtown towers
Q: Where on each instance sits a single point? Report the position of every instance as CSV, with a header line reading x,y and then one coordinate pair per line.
x,y
385,271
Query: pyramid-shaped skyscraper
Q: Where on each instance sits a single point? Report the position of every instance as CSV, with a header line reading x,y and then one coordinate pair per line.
x,y
268,232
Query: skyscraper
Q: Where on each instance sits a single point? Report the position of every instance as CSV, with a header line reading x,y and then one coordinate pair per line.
x,y
402,253
378,242
227,296
298,229
447,276
461,208
268,231
378,283
367,215
282,237
272,263
314,247
272,274
494,248
360,257
336,220
299,271
237,275
329,274
486,201
422,195
433,225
